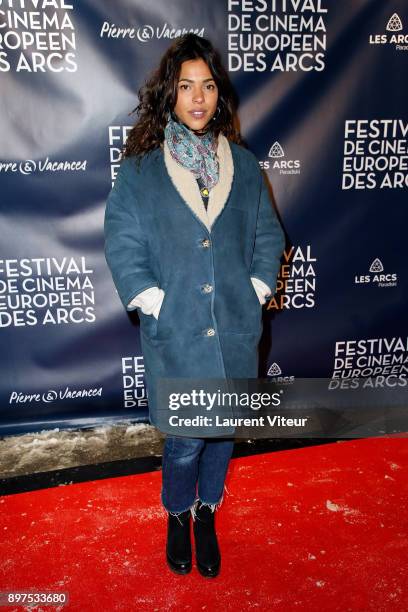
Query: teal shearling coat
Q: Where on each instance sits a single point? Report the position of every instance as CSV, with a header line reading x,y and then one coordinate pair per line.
x,y
158,233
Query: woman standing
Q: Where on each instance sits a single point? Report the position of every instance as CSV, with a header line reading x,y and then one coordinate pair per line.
x,y
193,243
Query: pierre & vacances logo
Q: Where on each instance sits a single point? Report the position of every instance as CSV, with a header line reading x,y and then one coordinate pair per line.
x,y
52,395
146,32
29,166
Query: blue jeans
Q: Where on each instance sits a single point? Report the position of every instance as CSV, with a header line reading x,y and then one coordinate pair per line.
x,y
194,469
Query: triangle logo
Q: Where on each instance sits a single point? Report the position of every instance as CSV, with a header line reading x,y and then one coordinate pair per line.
x,y
276,150
376,266
394,23
274,370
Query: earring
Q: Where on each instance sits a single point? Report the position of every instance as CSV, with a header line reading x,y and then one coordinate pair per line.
x,y
216,114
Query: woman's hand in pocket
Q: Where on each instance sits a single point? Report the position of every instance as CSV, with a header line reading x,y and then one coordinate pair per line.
x,y
149,301
262,290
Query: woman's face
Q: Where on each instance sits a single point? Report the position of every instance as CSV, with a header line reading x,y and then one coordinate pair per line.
x,y
197,94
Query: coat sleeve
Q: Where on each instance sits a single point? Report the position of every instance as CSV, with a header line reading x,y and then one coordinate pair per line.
x,y
269,241
126,248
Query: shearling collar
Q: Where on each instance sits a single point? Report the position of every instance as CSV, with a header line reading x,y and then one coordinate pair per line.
x,y
186,184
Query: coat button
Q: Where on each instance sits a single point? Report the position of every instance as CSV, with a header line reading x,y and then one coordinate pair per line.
x,y
205,243
207,288
210,331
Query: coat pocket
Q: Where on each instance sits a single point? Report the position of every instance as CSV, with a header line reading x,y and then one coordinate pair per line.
x,y
163,320
148,324
162,307
254,293
257,306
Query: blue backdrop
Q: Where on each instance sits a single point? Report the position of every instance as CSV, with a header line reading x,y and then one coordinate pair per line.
x,y
323,105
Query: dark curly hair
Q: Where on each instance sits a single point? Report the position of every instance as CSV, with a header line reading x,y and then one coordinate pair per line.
x,y
158,96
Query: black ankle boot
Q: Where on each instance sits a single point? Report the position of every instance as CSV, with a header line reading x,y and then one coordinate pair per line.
x,y
178,548
208,555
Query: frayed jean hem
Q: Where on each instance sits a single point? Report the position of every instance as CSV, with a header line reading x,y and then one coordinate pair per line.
x,y
193,507
212,505
176,512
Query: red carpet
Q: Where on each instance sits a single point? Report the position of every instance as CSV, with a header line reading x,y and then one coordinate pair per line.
x,y
319,528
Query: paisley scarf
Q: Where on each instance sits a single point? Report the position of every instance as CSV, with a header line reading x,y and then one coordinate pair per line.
x,y
195,152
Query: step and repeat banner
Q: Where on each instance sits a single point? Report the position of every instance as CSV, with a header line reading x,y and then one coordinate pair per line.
x,y
323,106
